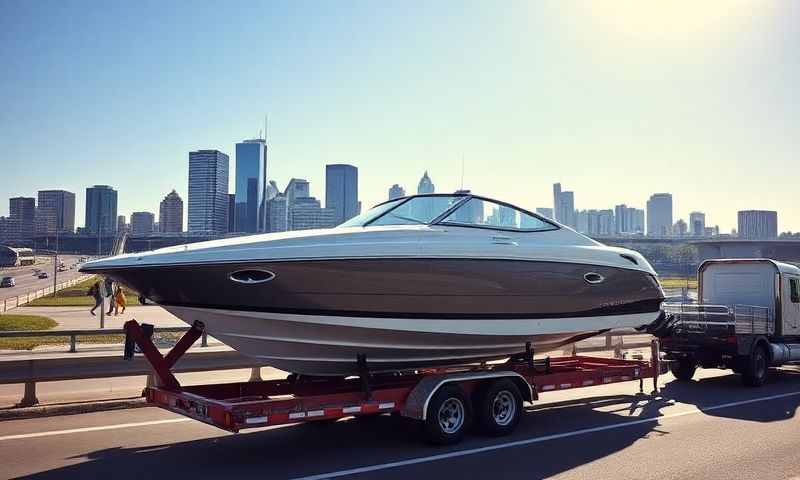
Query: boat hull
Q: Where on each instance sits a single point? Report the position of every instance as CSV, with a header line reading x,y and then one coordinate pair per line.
x,y
315,316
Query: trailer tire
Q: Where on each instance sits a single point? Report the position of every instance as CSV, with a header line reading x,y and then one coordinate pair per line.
x,y
683,368
754,373
448,416
498,407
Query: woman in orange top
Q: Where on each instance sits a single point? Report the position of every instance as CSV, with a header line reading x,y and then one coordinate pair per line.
x,y
119,299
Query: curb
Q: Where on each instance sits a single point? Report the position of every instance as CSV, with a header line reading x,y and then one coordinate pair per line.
x,y
16,413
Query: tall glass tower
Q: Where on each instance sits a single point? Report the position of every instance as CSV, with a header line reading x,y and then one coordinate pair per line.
x,y
208,192
101,210
251,185
341,191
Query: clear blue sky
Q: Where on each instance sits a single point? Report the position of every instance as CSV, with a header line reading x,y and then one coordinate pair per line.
x,y
614,100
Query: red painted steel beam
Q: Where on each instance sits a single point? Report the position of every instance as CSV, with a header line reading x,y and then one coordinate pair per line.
x,y
152,354
186,341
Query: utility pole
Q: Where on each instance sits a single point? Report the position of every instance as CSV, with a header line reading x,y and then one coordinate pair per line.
x,y
55,266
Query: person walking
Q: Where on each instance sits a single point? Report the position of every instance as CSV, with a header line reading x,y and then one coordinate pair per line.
x,y
94,291
119,301
108,285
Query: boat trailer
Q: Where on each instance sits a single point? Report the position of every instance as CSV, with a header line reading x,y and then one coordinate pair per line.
x,y
446,400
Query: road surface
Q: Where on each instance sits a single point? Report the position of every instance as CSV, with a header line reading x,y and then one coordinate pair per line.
x,y
710,429
27,282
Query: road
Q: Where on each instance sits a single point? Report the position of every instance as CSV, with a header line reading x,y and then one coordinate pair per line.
x,y
27,282
711,429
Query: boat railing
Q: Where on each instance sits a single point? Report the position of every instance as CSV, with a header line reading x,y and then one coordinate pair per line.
x,y
737,319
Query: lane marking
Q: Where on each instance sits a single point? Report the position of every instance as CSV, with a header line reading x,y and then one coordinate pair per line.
x,y
530,441
93,429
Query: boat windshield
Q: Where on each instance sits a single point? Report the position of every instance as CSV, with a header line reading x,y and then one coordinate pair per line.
x,y
411,211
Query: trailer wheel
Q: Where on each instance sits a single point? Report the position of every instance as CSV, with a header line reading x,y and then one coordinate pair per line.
x,y
498,407
755,368
683,368
448,416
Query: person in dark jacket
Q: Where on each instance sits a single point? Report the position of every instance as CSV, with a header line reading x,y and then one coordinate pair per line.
x,y
94,291
109,286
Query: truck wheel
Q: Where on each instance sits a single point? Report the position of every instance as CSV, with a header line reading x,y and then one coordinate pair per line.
x,y
448,416
683,368
755,368
498,407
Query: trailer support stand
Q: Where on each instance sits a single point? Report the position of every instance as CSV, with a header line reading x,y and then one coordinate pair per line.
x,y
363,374
529,354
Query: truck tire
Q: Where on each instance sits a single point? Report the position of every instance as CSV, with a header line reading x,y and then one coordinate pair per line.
x,y
754,373
448,416
683,368
498,407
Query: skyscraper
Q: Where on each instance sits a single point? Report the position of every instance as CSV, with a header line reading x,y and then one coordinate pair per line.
x,y
142,223
307,214
396,191
170,213
564,206
208,192
659,215
341,191
121,224
425,184
231,212
758,224
101,210
628,219
57,209
697,224
278,213
545,212
296,188
23,211
251,185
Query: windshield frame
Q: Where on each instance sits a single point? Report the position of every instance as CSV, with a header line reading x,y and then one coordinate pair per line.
x,y
466,197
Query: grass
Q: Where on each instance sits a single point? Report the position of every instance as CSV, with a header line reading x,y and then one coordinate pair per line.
x,y
37,322
75,296
678,282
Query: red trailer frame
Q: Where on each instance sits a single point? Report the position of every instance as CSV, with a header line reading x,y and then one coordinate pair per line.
x,y
237,406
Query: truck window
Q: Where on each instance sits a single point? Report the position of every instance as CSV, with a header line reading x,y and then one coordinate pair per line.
x,y
794,286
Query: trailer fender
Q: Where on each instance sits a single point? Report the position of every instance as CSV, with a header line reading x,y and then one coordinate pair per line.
x,y
416,406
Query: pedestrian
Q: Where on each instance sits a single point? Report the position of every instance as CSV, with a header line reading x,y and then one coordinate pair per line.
x,y
109,292
94,291
119,301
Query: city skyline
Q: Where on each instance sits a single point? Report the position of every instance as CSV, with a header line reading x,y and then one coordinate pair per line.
x,y
660,115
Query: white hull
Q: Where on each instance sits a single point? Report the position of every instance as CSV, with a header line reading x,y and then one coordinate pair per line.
x,y
328,345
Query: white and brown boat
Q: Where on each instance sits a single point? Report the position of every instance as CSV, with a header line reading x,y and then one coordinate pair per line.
x,y
426,280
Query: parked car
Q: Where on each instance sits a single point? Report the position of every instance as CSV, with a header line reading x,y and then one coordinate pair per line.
x,y
7,282
43,275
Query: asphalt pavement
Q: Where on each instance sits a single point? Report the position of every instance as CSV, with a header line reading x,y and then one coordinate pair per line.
x,y
27,282
713,428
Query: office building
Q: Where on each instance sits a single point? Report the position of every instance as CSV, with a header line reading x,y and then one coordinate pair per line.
x,y
545,212
628,220
425,184
278,213
101,210
680,228
22,210
758,224
396,191
170,213
697,224
142,223
296,188
57,211
307,214
564,207
341,191
251,185
208,192
231,212
122,226
659,215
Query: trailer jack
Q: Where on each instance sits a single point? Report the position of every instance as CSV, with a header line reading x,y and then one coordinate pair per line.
x,y
141,335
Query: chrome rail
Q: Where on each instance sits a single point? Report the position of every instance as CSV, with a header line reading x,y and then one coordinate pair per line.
x,y
743,319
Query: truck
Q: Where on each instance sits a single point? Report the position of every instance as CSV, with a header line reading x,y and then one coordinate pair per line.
x,y
445,401
746,319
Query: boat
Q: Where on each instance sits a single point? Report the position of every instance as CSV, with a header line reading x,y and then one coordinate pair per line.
x,y
420,281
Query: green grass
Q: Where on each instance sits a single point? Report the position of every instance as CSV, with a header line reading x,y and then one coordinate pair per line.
x,y
678,282
9,322
75,296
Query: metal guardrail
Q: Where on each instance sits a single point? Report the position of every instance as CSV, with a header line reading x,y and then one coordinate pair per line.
x,y
15,302
740,319
74,334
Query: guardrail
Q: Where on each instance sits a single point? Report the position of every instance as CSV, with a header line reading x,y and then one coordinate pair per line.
x,y
74,334
19,300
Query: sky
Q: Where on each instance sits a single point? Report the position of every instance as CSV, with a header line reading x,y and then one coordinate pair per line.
x,y
615,100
